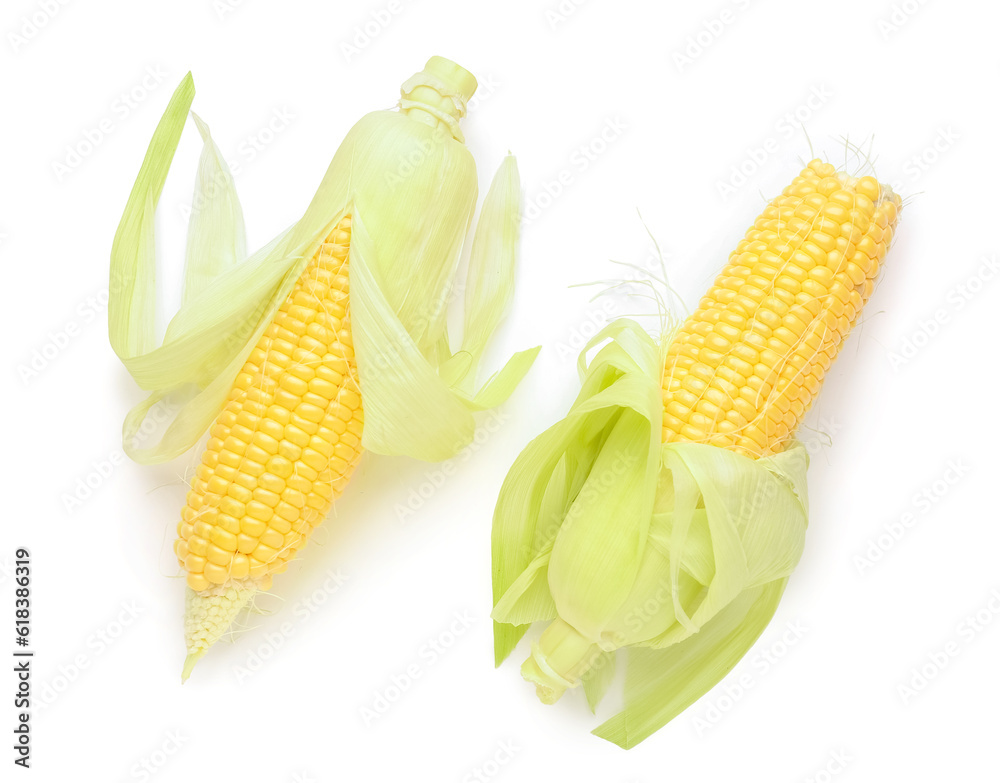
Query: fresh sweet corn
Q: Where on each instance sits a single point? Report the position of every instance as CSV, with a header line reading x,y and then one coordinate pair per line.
x,y
280,452
666,512
274,354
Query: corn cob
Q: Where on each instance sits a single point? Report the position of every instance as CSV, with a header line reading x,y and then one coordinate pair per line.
x,y
745,367
268,356
280,452
667,510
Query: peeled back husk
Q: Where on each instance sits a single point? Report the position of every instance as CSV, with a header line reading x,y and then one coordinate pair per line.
x,y
679,552
410,185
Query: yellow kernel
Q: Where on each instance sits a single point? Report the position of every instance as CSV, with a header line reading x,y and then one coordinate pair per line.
x,y
350,398
273,539
293,385
252,526
246,543
223,539
232,507
280,466
218,555
286,511
264,553
289,450
281,525
240,492
309,412
240,567
344,452
198,582
323,388
216,574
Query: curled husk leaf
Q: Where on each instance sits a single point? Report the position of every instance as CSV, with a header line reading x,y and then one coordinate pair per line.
x,y
678,552
410,185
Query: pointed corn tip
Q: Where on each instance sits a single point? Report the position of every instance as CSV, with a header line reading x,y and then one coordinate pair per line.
x,y
189,663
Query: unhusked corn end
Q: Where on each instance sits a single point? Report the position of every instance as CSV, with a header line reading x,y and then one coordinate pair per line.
x,y
287,440
743,370
208,615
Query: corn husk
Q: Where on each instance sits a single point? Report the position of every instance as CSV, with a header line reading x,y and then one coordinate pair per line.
x,y
678,552
410,185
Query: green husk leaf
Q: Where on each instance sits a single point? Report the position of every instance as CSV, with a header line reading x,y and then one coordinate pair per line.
x,y
490,281
216,232
427,420
549,474
417,395
414,223
660,684
599,677
683,561
132,287
588,548
226,308
755,522
528,599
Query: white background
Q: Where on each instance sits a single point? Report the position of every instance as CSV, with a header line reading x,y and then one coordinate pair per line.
x,y
919,78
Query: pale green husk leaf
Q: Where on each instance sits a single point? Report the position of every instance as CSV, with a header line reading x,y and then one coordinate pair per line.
x,y
226,306
677,551
550,473
598,678
411,222
660,684
216,233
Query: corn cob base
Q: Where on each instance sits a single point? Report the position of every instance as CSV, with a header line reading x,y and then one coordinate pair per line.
x,y
282,449
208,615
